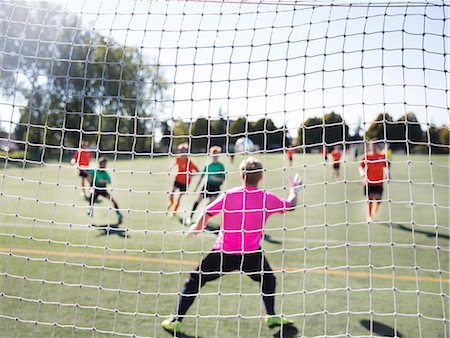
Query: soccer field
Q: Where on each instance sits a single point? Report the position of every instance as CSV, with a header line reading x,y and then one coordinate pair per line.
x,y
335,272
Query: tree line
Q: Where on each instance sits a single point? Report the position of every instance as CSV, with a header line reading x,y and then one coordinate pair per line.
x,y
203,133
403,134
80,84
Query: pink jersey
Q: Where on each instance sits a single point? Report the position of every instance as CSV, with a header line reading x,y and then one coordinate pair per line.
x,y
245,211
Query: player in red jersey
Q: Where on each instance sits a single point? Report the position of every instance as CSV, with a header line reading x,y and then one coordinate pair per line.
x,y
336,154
185,170
82,158
373,170
290,154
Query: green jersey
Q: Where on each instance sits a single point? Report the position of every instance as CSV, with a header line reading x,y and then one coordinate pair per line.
x,y
101,178
214,169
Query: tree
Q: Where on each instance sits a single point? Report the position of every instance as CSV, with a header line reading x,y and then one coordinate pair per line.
x,y
200,135
76,82
258,130
310,134
378,130
166,138
444,139
180,132
220,132
238,128
336,130
410,131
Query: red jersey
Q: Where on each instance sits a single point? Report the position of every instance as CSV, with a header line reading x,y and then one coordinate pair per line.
x,y
185,169
376,162
336,155
83,157
290,152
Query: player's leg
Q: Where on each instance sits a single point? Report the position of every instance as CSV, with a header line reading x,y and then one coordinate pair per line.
x,y
182,188
83,186
92,199
369,194
252,266
84,178
198,201
108,196
177,203
171,195
209,269
370,211
212,197
377,197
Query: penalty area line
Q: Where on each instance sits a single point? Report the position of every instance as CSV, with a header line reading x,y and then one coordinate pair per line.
x,y
335,272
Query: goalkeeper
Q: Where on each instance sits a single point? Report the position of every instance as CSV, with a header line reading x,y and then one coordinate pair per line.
x,y
99,179
215,175
244,210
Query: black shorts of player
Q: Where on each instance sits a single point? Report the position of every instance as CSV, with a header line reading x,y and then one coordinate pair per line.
x,y
181,186
254,264
100,192
83,173
211,190
371,189
336,166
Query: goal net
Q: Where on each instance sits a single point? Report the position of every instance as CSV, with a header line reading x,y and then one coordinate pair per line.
x,y
121,121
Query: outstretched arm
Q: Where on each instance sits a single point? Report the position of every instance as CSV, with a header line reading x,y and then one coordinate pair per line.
x,y
295,184
199,225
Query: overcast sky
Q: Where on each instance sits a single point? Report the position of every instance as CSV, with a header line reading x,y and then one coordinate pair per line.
x,y
260,60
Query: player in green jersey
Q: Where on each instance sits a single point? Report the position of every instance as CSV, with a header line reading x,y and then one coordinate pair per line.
x,y
215,175
99,179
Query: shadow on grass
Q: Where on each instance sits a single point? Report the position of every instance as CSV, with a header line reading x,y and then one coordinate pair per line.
x,y
181,335
286,332
111,229
379,328
416,231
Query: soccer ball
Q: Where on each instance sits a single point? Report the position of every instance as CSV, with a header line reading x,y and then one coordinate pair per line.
x,y
244,144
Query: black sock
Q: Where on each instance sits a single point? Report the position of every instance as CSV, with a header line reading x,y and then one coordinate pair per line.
x,y
194,208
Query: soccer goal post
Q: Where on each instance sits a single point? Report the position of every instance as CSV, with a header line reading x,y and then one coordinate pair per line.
x,y
123,123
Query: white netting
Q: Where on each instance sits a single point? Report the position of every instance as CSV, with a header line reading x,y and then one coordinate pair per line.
x,y
285,82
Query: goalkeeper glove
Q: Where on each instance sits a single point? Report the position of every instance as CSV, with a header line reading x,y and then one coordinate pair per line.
x,y
295,183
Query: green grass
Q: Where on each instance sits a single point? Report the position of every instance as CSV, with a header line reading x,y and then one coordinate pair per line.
x,y
334,271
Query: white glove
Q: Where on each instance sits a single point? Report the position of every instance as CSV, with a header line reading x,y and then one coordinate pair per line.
x,y
295,183
192,232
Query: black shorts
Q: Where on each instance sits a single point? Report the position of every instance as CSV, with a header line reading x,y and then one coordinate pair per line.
x,y
254,264
370,189
181,186
211,190
100,192
83,173
336,166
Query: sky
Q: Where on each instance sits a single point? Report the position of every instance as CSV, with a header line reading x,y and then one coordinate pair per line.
x,y
286,61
